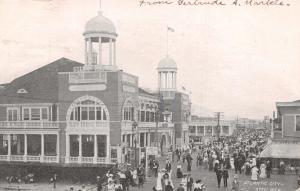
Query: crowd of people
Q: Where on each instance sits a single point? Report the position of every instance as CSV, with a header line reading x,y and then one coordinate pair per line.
x,y
239,152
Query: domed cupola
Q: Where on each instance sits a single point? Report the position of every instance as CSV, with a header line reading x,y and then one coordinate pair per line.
x,y
100,25
167,71
167,63
100,43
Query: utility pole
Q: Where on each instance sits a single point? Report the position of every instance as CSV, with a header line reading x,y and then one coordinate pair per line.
x,y
218,116
157,119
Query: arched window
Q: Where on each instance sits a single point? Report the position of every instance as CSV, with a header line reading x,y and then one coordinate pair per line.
x,y
128,111
88,110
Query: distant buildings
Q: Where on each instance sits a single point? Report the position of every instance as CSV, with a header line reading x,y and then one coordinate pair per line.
x,y
205,128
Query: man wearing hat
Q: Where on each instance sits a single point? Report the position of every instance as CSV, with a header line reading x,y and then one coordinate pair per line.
x,y
99,184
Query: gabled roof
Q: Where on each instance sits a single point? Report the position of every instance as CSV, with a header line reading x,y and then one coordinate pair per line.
x,y
41,84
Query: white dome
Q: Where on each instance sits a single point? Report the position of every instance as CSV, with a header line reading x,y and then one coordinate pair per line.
x,y
100,24
167,62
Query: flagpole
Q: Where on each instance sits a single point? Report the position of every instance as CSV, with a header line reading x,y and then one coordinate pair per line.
x,y
167,40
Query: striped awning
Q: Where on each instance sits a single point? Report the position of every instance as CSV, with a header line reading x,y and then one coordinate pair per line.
x,y
279,150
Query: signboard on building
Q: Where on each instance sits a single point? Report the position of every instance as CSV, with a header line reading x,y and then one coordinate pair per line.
x,y
152,151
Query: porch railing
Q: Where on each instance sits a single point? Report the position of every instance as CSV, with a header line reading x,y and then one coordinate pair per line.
x,y
29,124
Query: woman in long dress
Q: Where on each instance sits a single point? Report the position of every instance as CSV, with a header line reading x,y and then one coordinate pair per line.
x,y
158,182
254,172
263,171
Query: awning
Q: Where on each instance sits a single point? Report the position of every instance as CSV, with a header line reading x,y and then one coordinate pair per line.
x,y
277,150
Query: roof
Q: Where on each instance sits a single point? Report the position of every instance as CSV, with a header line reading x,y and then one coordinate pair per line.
x,y
142,91
167,63
41,84
100,24
281,150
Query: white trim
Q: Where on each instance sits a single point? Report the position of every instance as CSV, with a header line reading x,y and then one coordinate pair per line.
x,y
92,98
26,104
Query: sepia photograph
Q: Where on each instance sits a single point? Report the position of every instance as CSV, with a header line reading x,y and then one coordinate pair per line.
x,y
150,95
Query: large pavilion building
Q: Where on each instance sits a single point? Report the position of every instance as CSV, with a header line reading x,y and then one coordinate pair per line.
x,y
72,114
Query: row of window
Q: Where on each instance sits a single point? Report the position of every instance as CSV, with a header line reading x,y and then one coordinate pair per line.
x,y
88,113
208,129
28,114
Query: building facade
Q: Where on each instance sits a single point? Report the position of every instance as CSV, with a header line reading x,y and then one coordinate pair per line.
x,y
203,129
69,113
285,135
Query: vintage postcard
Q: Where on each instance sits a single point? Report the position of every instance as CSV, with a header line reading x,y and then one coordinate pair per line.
x,y
186,95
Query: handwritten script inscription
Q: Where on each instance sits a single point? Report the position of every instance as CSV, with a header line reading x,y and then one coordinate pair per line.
x,y
250,3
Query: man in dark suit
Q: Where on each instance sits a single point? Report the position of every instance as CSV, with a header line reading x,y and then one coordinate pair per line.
x,y
219,176
225,176
190,182
168,165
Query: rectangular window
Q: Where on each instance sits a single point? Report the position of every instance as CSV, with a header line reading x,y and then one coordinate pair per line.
x,y
12,114
142,116
147,116
35,114
84,113
91,113
44,114
26,116
132,114
298,123
152,117
192,129
98,113
200,129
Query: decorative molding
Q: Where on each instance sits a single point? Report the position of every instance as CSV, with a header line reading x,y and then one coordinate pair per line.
x,y
22,91
87,87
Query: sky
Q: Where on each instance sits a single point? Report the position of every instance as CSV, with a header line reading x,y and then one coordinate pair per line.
x,y
239,60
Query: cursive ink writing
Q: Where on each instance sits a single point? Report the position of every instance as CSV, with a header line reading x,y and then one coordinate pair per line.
x,y
252,3
197,2
143,2
260,3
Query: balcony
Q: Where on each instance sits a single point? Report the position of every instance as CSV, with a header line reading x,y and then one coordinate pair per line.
x,y
127,125
23,158
91,160
29,124
85,77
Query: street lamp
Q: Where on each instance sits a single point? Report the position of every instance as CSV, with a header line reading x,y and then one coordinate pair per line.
x,y
134,129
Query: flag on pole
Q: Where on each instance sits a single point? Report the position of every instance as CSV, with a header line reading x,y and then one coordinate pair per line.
x,y
171,29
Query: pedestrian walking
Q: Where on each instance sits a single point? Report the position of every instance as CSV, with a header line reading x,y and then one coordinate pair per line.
x,y
99,184
254,173
235,184
168,165
225,177
189,183
263,171
159,182
219,176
